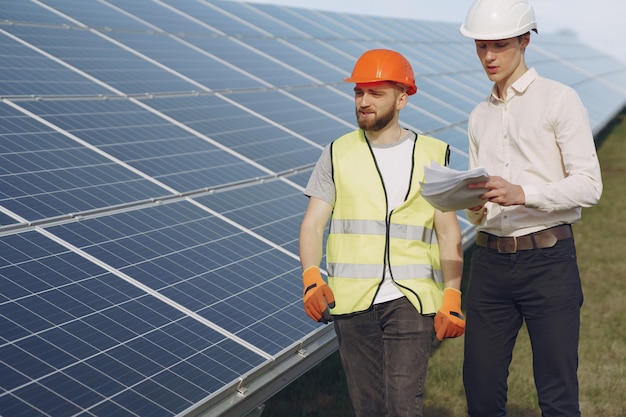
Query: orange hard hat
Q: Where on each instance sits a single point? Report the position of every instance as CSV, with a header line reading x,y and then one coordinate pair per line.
x,y
383,65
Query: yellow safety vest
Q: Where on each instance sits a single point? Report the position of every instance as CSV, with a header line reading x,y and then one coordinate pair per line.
x,y
363,239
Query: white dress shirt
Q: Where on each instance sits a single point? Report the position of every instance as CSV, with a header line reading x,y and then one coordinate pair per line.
x,y
539,137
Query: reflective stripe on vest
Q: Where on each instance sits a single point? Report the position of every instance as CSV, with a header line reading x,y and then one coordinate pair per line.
x,y
363,239
373,227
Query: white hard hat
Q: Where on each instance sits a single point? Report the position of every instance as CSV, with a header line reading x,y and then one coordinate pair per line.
x,y
498,19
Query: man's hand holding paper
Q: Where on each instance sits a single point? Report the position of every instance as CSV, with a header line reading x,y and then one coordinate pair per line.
x,y
447,189
500,191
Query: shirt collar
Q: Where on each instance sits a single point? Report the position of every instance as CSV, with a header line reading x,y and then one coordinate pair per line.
x,y
519,86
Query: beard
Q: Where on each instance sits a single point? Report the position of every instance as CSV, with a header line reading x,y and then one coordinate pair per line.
x,y
379,122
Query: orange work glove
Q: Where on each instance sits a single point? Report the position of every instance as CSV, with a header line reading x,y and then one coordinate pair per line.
x,y
449,321
318,296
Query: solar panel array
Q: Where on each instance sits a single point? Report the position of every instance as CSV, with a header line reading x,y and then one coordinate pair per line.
x,y
153,156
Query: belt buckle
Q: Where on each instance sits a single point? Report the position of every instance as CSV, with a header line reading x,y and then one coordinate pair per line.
x,y
503,247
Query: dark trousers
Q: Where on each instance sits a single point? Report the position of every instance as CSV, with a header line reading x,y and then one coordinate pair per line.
x,y
541,287
384,352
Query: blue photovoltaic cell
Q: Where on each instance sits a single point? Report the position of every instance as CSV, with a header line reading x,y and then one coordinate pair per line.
x,y
45,174
328,100
462,92
250,14
407,31
204,264
328,25
301,117
191,21
305,61
273,73
6,220
301,178
74,337
153,158
212,15
103,60
271,209
302,24
100,14
337,63
370,30
147,142
181,56
26,11
261,138
426,114
27,72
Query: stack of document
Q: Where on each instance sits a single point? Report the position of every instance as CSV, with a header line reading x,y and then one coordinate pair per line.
x,y
446,188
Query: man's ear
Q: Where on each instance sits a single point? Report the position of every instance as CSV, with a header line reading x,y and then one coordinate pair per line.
x,y
525,40
401,101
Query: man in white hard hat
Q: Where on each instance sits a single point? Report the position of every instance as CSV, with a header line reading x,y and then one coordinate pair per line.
x,y
533,136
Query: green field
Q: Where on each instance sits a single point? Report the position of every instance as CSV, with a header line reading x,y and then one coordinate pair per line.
x,y
602,372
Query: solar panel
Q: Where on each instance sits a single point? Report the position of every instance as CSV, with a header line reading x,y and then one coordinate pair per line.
x,y
153,156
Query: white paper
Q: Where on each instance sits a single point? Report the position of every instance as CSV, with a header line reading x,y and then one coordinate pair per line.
x,y
446,188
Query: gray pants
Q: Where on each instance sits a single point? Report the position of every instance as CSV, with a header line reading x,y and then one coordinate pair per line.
x,y
384,353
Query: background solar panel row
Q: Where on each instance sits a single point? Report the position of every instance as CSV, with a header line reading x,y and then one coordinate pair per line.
x,y
153,156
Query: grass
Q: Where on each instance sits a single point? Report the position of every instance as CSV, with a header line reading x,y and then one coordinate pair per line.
x,y
321,392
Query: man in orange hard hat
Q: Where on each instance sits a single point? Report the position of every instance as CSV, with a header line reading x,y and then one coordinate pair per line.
x,y
394,262
533,136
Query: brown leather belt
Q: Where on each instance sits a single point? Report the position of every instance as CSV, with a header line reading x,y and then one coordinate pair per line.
x,y
510,244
